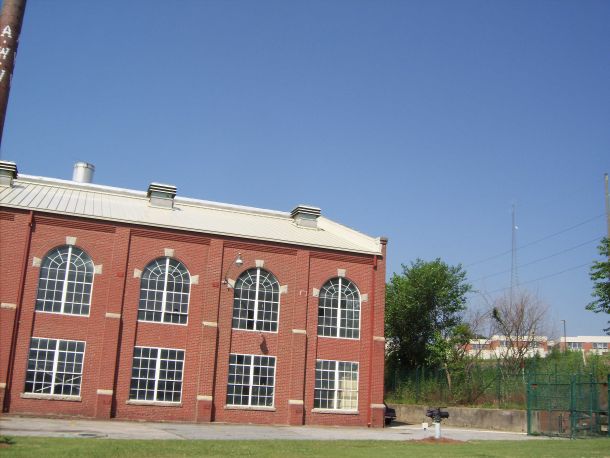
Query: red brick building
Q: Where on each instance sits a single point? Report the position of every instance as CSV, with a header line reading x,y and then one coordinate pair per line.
x,y
142,305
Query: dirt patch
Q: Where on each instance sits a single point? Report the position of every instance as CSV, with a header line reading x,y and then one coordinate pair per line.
x,y
4,445
442,440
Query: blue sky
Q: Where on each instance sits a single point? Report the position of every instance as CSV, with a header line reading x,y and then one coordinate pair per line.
x,y
421,121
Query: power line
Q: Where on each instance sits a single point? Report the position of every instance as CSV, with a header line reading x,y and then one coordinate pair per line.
x,y
544,277
554,234
596,239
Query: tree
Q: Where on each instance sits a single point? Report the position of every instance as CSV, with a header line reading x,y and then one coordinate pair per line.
x,y
519,323
423,306
449,352
600,275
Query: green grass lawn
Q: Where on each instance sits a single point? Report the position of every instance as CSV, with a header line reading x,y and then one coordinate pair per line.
x,y
51,447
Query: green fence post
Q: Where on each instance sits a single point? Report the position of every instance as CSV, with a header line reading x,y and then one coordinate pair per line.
x,y
395,387
572,405
592,404
608,385
417,385
529,410
498,383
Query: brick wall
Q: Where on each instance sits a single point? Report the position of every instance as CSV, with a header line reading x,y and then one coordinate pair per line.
x,y
112,329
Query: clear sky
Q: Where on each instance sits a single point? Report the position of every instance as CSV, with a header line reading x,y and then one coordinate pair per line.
x,y
423,121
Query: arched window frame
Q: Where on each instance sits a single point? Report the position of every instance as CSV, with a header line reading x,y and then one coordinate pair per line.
x,y
63,284
258,323
164,312
336,330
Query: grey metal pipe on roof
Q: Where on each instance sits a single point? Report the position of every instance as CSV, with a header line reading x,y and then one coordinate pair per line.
x,y
83,172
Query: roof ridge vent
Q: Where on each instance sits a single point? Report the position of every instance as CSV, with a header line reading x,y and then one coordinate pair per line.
x,y
8,172
161,195
306,216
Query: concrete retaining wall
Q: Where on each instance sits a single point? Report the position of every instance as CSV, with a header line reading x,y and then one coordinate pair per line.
x,y
496,419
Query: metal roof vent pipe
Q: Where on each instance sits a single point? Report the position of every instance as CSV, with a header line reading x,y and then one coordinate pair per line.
x,y
306,216
83,172
161,195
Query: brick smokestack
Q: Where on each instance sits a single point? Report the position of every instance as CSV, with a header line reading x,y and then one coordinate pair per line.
x,y
11,19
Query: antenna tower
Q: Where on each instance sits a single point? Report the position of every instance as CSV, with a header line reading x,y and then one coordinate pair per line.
x,y
514,278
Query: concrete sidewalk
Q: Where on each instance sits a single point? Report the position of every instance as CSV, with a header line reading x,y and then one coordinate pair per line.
x,y
31,426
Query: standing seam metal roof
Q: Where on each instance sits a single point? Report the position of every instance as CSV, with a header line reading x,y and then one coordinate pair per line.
x,y
130,206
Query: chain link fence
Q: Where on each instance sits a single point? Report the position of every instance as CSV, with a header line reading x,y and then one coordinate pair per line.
x,y
489,383
568,405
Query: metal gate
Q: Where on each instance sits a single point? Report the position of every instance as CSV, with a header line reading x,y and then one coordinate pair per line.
x,y
569,406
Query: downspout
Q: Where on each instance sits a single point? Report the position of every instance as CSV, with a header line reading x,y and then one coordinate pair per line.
x,y
13,349
372,339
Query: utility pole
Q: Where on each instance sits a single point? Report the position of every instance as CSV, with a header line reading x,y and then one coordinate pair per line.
x,y
607,203
11,19
565,339
513,261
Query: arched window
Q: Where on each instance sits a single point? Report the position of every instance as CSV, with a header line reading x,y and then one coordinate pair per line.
x,y
256,301
339,309
164,292
66,279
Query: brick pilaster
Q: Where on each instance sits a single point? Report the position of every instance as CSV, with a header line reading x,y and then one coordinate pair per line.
x,y
212,282
112,320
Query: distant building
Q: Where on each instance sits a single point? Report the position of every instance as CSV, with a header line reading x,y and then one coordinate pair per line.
x,y
589,344
499,346
117,303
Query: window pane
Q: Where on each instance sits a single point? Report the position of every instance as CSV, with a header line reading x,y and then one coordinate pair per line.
x,y
65,282
336,385
339,309
157,374
251,380
164,292
63,379
256,301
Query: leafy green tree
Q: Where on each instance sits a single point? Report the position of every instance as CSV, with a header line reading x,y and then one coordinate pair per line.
x,y
449,352
600,275
424,305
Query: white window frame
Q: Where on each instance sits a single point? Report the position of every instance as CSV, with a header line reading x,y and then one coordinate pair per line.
x,y
338,328
56,352
164,295
251,384
157,373
64,291
256,320
336,388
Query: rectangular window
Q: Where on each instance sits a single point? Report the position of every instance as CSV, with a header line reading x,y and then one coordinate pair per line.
x,y
336,385
575,345
55,367
251,380
156,374
600,345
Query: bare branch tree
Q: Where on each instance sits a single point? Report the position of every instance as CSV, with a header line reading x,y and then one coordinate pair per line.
x,y
520,323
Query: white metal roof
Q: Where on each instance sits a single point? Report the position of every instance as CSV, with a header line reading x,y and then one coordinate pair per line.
x,y
587,339
129,206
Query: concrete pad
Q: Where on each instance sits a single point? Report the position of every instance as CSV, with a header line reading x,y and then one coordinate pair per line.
x,y
11,425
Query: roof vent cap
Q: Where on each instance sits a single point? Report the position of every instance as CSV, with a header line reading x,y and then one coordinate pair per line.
x,y
306,216
8,172
83,172
161,195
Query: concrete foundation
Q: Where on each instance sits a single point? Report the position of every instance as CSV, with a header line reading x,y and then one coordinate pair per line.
x,y
493,419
